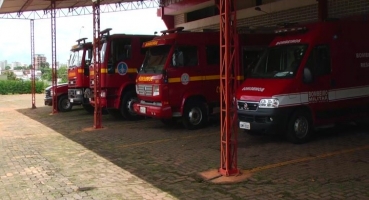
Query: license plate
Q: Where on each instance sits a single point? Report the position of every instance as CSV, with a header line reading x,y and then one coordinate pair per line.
x,y
245,125
142,109
71,100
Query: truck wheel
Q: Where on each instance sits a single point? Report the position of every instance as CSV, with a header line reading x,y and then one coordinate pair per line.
x,y
89,108
299,128
194,115
126,106
64,104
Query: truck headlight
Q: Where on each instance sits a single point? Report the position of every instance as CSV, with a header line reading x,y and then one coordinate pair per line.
x,y
78,92
103,93
51,92
155,90
269,103
136,89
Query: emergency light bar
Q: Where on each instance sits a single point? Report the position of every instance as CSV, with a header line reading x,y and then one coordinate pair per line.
x,y
173,30
290,30
106,31
81,40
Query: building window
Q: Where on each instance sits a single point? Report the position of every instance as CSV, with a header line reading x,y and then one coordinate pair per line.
x,y
202,13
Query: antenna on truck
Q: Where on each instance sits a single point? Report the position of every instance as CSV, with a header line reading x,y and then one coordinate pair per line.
x,y
173,30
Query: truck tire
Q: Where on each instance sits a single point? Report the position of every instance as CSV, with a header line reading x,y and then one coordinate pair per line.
x,y
88,108
126,106
64,104
195,115
299,128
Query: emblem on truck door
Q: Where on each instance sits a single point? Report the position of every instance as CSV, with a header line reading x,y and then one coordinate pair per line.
x,y
122,68
185,78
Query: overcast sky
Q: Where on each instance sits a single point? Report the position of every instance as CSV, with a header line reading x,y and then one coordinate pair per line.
x,y
15,45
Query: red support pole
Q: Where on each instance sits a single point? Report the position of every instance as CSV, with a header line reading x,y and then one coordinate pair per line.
x,y
33,81
97,65
228,83
53,59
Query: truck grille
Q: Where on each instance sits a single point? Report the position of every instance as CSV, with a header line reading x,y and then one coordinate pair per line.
x,y
243,105
144,90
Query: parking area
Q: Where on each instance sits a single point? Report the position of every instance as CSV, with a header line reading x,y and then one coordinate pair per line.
x,y
60,156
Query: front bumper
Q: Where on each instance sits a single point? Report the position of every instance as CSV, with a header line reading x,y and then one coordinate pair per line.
x,y
161,112
48,101
75,96
265,121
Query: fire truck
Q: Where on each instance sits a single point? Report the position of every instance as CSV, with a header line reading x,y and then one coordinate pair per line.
x,y
121,57
78,73
313,75
179,78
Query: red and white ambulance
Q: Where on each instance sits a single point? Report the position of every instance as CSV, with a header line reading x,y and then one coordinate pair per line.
x,y
310,76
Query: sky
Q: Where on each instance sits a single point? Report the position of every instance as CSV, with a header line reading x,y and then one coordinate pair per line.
x,y
15,45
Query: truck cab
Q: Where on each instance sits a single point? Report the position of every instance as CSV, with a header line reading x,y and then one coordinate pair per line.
x,y
78,73
179,78
311,75
121,57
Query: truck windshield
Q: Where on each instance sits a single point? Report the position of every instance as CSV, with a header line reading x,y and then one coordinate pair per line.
x,y
75,58
279,62
102,53
155,59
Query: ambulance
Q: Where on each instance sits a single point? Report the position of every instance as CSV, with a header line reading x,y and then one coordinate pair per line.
x,y
311,76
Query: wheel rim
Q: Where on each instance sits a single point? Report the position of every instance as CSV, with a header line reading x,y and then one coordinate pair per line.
x,y
130,107
195,116
301,127
66,104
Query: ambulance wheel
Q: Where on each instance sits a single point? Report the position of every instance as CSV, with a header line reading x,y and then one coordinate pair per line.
x,y
88,108
64,104
194,115
126,106
299,128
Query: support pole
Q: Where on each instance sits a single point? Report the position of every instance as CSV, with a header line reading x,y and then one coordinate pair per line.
x,y
53,52
229,70
97,65
33,81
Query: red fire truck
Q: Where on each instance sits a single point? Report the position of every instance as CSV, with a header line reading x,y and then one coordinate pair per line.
x,y
311,75
78,73
179,78
121,57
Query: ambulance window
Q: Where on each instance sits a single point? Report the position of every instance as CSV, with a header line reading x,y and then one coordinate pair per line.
x,y
185,56
213,55
120,51
323,62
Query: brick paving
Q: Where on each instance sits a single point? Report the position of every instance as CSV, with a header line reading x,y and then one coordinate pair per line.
x,y
55,157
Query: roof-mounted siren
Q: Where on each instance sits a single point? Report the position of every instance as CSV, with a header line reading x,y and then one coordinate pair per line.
x,y
173,30
286,28
105,32
79,41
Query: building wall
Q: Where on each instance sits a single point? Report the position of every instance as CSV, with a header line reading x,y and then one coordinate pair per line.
x,y
39,58
281,11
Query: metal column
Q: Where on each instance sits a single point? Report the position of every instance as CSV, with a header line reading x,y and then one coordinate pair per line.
x,y
97,65
53,52
33,81
228,83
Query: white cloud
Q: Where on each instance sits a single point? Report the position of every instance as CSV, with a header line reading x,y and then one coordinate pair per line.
x,y
15,45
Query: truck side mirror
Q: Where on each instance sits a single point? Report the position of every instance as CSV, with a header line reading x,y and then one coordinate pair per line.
x,y
308,76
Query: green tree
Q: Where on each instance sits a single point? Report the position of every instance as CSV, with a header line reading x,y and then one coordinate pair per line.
x,y
29,67
10,75
18,68
44,66
7,67
63,74
46,75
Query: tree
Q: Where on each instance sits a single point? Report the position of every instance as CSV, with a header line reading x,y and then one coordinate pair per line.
x,y
63,74
18,68
44,66
29,67
10,75
7,67
46,75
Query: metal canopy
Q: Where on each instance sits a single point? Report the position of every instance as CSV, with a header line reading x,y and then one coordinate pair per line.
x,y
40,9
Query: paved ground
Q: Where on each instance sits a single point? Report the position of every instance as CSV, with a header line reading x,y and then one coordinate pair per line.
x,y
55,157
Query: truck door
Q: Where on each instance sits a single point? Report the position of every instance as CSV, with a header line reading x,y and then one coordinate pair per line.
x,y
319,64
183,73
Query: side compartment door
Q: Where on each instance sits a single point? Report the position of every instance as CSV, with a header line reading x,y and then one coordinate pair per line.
x,y
318,91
